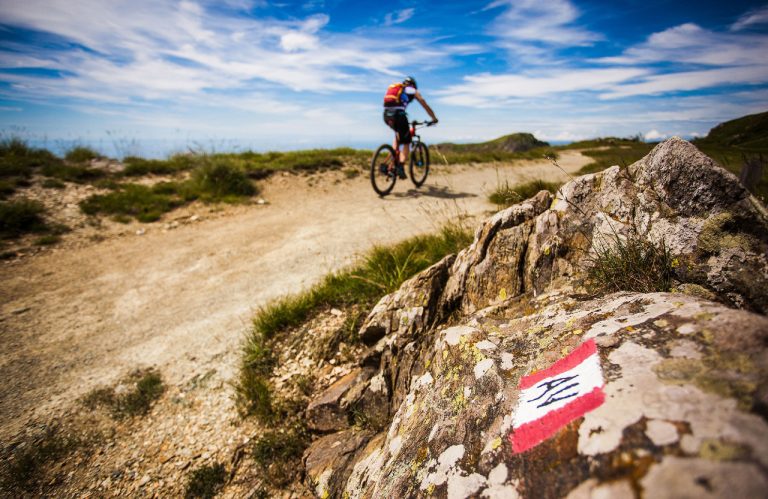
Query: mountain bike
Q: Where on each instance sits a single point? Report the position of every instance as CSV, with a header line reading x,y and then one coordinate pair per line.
x,y
386,167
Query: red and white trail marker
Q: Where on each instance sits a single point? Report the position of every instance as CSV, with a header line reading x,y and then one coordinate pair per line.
x,y
552,398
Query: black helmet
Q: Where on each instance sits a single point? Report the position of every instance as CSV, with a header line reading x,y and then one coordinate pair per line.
x,y
410,80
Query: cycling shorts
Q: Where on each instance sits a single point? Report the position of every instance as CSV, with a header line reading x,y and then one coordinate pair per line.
x,y
397,120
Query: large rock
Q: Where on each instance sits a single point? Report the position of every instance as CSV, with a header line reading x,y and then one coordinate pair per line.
x,y
495,376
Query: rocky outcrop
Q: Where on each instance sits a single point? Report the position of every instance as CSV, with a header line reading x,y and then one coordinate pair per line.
x,y
493,374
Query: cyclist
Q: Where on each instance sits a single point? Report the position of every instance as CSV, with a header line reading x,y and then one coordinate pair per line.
x,y
397,98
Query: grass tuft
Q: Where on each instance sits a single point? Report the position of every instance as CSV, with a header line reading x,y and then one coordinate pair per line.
x,y
507,195
631,264
136,167
139,201
81,154
26,468
20,217
217,179
145,386
206,481
277,453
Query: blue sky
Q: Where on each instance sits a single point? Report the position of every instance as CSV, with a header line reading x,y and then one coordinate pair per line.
x,y
149,76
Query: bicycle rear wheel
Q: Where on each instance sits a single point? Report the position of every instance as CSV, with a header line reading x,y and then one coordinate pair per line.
x,y
419,167
383,172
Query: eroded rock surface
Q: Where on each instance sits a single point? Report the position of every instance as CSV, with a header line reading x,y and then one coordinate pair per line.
x,y
493,375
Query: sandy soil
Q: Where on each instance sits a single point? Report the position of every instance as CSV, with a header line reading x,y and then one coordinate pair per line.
x,y
180,297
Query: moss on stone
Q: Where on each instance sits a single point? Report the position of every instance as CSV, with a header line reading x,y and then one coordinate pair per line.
x,y
708,375
696,290
714,236
719,450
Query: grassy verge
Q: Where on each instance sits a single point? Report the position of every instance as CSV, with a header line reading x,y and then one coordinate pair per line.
x,y
212,181
381,271
456,156
507,195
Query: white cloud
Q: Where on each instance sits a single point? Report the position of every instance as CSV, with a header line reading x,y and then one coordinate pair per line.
x,y
534,21
297,40
398,17
751,18
654,135
691,80
491,90
149,49
689,43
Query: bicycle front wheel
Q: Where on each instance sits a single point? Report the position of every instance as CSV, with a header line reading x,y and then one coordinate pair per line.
x,y
419,167
383,171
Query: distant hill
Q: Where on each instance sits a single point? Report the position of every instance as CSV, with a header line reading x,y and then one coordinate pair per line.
x,y
747,133
515,142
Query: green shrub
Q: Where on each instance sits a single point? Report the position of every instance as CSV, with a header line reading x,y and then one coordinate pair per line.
x,y
206,481
17,159
20,217
310,159
72,173
631,264
277,453
139,201
81,154
135,166
146,387
48,240
253,394
26,468
507,195
52,183
220,179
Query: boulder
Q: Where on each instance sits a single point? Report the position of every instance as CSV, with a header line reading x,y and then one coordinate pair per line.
x,y
495,374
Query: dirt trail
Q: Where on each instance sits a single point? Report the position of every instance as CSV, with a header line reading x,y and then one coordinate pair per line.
x,y
181,299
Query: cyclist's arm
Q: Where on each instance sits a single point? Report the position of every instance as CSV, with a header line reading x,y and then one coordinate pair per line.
x,y
425,106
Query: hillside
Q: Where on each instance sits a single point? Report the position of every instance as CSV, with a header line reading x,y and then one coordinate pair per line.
x,y
515,142
748,133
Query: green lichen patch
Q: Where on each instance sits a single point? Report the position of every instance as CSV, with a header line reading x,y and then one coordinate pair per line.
x,y
721,450
718,233
728,374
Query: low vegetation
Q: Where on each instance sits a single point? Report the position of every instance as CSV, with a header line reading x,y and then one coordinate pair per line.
x,y
633,263
146,204
206,481
505,148
278,453
21,216
29,463
507,195
211,181
610,151
81,154
381,271
136,167
143,388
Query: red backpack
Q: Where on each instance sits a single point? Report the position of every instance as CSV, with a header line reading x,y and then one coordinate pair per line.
x,y
392,97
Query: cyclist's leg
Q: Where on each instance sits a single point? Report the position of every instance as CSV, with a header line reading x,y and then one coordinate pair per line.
x,y
404,136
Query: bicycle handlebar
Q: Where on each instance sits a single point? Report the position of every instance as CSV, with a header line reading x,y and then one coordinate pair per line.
x,y
424,123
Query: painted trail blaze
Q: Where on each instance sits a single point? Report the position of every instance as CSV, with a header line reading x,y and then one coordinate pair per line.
x,y
552,398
